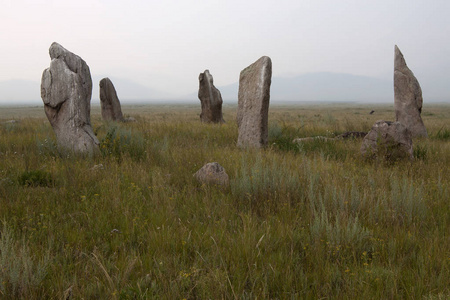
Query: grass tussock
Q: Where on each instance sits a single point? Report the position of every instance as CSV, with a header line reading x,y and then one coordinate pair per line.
x,y
305,221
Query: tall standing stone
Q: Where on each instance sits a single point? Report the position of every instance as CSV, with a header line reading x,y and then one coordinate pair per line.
x,y
109,101
253,103
407,97
66,90
210,99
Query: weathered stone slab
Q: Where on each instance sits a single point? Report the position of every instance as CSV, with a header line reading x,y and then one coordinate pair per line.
x,y
66,90
312,138
344,136
407,97
253,103
212,173
110,104
389,141
210,98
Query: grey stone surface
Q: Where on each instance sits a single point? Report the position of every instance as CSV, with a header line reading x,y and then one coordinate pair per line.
x,y
253,103
212,173
66,90
210,99
407,97
312,138
344,136
110,104
389,141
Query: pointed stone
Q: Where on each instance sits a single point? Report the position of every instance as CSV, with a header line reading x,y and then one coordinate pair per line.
x,y
110,104
210,98
253,103
66,90
407,97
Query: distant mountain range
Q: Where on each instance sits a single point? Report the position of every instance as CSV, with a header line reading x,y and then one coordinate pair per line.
x,y
307,87
27,91
323,87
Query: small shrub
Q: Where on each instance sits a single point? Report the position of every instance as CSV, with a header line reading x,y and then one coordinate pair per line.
x,y
420,152
119,141
36,178
281,137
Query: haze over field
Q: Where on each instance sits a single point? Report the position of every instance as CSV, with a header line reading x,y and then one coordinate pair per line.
x,y
321,50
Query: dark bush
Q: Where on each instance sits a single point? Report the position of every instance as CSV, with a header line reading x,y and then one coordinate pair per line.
x,y
36,178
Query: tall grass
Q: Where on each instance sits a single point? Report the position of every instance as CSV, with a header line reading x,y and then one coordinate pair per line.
x,y
21,272
301,221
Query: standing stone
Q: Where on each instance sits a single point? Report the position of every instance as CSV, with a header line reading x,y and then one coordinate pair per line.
x,y
210,99
66,90
212,173
389,141
253,103
407,97
110,103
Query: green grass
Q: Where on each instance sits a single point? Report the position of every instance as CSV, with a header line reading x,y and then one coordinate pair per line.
x,y
307,221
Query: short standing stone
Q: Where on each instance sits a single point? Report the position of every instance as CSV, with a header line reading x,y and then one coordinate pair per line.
x,y
253,103
110,103
212,173
388,140
66,90
407,97
210,99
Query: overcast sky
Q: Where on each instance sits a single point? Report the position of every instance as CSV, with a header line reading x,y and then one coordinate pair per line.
x,y
166,44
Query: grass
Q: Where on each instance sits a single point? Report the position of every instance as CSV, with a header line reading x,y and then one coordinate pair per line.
x,y
302,221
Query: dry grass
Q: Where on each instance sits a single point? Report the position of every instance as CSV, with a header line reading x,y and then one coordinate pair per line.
x,y
311,221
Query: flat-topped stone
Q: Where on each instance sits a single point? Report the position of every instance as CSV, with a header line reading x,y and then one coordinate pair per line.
x,y
253,103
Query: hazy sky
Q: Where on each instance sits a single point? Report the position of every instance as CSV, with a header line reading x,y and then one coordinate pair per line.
x,y
166,44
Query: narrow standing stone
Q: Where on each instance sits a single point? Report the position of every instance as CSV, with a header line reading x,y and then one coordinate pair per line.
x,y
407,97
66,90
253,103
210,99
111,110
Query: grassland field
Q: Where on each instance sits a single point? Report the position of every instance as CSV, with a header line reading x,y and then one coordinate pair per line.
x,y
298,221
